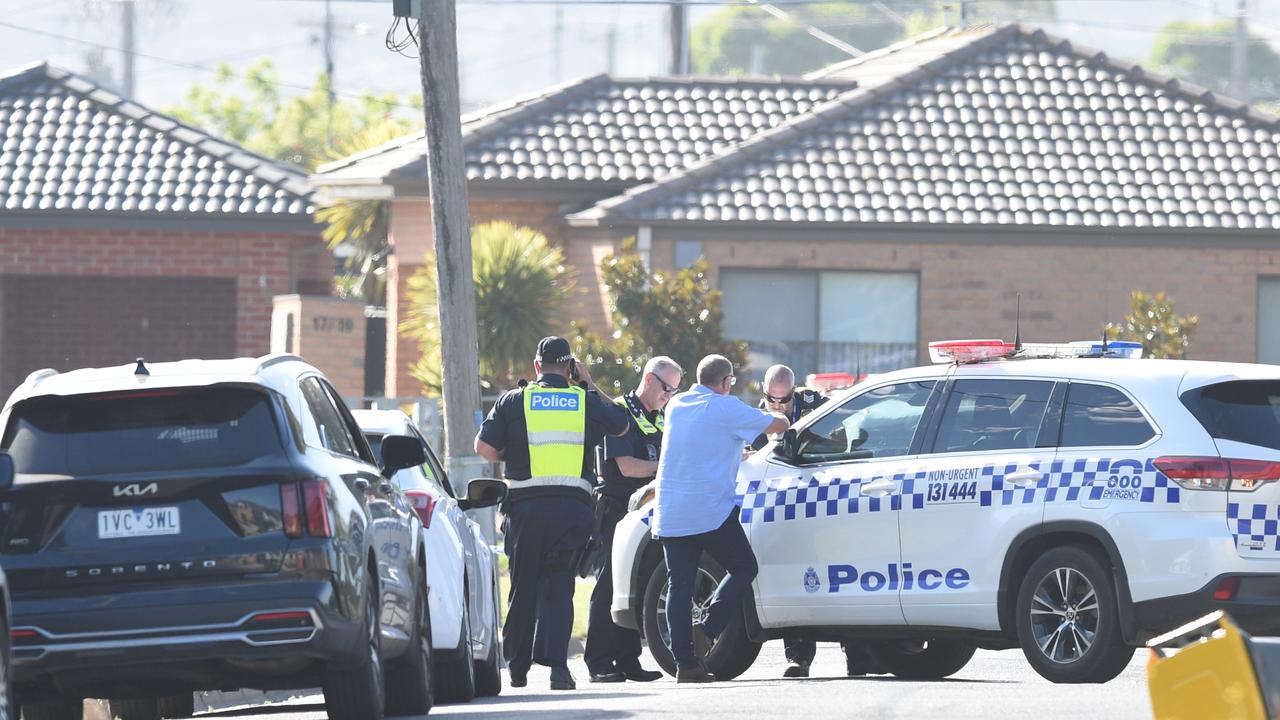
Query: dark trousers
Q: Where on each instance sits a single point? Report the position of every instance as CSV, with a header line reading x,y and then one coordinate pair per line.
x,y
609,647
800,650
543,538
728,546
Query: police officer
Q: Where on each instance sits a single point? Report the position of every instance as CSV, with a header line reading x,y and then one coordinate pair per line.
x,y
546,432
630,462
782,396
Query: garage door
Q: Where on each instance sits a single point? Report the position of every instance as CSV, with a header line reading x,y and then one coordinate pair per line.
x,y
71,322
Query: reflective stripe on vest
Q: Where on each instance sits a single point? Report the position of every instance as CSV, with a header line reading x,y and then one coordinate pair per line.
x,y
556,420
645,426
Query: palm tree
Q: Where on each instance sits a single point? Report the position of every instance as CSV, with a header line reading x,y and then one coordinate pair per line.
x,y
521,285
362,225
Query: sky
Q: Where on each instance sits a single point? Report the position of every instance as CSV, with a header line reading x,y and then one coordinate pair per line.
x,y
507,49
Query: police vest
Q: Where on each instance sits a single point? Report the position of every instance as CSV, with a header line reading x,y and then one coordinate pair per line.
x,y
638,414
556,419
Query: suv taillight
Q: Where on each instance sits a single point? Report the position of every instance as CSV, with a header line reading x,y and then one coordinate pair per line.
x,y
423,503
312,509
317,504
291,508
1215,473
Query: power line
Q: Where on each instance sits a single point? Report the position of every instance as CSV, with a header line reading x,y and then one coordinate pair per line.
x,y
185,65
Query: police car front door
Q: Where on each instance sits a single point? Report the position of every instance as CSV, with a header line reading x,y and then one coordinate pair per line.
x,y
824,523
981,482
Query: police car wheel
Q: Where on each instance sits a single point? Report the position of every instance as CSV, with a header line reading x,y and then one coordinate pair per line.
x,y
733,652
1068,620
922,660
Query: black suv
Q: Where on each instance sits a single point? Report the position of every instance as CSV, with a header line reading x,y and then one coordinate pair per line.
x,y
208,525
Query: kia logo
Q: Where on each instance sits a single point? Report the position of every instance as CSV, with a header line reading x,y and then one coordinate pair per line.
x,y
135,490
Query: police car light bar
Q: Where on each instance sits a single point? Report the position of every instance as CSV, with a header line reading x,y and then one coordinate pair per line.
x,y
1082,348
967,351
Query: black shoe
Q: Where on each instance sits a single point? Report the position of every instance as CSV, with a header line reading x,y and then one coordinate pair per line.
x,y
639,674
609,676
519,678
695,674
796,670
561,679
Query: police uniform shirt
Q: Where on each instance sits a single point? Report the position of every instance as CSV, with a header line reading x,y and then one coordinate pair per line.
x,y
505,429
634,444
803,401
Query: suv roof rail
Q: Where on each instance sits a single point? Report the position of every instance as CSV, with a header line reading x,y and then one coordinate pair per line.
x,y
267,361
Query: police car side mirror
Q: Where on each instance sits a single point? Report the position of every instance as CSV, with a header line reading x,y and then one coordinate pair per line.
x,y
789,446
400,452
483,493
6,470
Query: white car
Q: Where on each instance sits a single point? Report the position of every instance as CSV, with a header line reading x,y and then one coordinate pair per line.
x,y
1073,507
462,574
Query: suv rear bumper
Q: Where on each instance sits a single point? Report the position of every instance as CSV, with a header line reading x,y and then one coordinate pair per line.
x,y
1255,607
266,635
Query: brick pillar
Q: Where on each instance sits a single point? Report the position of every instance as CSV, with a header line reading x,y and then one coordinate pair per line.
x,y
327,332
411,240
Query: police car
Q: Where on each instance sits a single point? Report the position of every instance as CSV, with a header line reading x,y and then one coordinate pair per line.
x,y
1070,500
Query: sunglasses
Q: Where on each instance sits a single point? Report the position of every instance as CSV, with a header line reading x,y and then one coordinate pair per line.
x,y
777,400
668,389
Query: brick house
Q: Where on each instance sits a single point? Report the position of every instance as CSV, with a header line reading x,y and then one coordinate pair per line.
x,y
124,233
537,159
966,168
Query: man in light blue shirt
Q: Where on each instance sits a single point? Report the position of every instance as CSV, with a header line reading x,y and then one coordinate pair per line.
x,y
706,431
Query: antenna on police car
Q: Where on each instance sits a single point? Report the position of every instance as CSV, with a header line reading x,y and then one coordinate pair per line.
x,y
1017,326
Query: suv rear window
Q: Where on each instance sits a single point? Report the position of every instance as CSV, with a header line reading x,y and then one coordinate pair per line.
x,y
141,431
1101,416
1246,411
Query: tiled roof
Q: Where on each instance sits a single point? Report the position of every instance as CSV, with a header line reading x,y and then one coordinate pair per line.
x,y
69,145
1009,127
604,130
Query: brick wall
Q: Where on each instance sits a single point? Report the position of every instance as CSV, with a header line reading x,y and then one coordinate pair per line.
x,y
254,266
1068,291
327,332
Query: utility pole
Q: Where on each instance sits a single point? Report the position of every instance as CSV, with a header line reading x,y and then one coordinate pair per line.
x,y
1240,54
678,63
455,287
330,95
128,45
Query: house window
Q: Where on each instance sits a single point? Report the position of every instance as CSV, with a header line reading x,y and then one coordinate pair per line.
x,y
687,253
1269,320
819,321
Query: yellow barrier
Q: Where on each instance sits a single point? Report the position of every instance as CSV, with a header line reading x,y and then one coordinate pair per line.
x,y
1207,670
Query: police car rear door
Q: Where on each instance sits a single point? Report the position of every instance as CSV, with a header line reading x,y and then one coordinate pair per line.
x,y
979,484
823,522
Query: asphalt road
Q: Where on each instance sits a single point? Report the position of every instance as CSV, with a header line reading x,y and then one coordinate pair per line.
x,y
994,684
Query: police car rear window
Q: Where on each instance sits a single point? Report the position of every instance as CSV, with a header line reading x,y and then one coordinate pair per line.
x,y
142,431
1246,411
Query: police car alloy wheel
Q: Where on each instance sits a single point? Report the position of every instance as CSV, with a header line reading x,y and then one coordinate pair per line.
x,y
731,654
1068,624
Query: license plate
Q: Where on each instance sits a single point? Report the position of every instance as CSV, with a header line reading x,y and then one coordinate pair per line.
x,y
138,522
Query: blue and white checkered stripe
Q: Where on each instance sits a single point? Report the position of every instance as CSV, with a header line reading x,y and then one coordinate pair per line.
x,y
1255,526
795,497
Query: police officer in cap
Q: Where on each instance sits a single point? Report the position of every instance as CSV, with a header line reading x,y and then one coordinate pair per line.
x,y
782,396
545,432
630,462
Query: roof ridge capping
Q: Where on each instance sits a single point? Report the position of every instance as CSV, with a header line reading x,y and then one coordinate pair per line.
x,y
1165,81
292,180
845,102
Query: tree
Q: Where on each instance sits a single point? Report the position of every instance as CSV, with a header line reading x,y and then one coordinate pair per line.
x,y
744,39
1152,322
1201,53
662,313
521,285
299,130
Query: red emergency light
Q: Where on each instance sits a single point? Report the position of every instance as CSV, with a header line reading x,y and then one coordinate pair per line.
x,y
966,351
